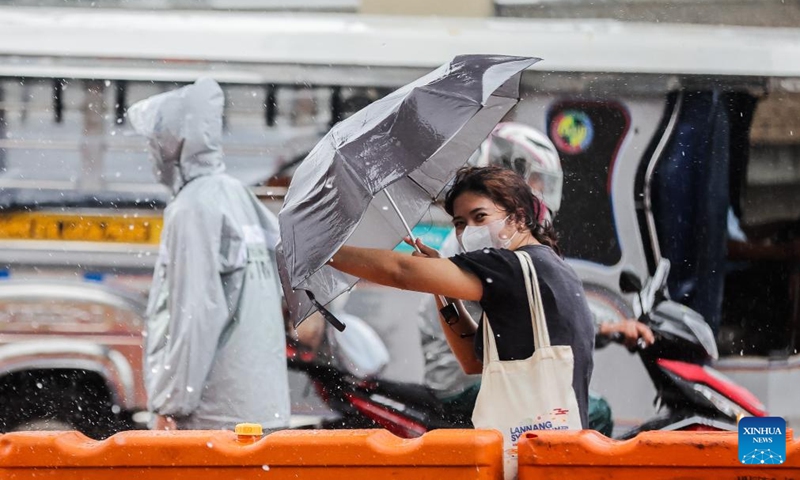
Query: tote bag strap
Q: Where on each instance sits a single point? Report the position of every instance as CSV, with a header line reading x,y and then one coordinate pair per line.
x,y
489,344
541,335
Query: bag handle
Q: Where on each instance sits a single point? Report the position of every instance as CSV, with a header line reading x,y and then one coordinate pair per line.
x,y
541,335
489,344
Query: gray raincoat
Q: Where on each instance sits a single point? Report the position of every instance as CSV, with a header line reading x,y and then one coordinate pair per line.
x,y
215,352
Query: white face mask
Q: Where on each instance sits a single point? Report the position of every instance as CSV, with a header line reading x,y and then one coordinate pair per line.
x,y
485,236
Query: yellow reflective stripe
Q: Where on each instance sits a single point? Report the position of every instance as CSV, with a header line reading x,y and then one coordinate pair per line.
x,y
84,227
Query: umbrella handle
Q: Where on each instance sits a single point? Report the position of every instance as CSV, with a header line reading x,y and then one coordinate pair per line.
x,y
328,316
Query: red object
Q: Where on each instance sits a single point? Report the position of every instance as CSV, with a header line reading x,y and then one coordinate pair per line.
x,y
392,422
701,428
698,374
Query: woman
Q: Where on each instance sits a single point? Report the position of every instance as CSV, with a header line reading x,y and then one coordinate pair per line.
x,y
494,213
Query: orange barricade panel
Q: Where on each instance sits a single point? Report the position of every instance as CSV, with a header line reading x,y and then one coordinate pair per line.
x,y
304,454
589,455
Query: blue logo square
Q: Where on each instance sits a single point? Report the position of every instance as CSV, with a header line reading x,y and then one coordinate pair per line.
x,y
762,440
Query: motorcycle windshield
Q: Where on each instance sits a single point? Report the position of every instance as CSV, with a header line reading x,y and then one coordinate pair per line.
x,y
683,322
702,331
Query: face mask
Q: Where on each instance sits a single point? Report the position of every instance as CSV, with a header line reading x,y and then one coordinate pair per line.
x,y
485,236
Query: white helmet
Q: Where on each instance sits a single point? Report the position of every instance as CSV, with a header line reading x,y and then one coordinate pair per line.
x,y
528,152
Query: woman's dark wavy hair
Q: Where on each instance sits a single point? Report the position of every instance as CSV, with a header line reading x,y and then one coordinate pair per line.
x,y
509,191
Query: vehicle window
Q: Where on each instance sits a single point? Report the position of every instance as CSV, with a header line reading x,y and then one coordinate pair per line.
x,y
773,176
588,136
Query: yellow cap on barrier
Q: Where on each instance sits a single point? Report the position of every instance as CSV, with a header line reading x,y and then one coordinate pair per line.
x,y
249,429
248,432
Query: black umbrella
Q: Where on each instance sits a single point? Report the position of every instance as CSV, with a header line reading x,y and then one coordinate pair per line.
x,y
375,174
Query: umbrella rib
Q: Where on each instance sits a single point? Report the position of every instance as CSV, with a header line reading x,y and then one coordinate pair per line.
x,y
447,94
433,199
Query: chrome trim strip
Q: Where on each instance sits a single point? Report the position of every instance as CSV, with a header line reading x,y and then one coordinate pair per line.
x,y
648,177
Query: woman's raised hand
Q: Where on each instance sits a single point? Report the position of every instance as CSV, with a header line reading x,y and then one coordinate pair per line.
x,y
422,250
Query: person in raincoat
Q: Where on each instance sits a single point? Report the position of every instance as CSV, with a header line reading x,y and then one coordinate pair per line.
x,y
215,352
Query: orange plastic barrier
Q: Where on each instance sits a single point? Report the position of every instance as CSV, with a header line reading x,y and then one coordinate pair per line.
x,y
308,454
589,455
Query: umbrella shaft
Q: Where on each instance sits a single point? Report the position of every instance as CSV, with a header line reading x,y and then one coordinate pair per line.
x,y
410,234
402,218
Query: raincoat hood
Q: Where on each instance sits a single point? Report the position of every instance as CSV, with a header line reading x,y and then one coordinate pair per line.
x,y
184,132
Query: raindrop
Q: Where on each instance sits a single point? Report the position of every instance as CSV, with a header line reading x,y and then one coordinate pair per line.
x,y
265,468
277,415
329,183
485,250
209,445
39,385
167,367
384,208
189,389
108,83
489,280
115,409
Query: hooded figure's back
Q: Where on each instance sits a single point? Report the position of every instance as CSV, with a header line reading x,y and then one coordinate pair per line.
x,y
215,352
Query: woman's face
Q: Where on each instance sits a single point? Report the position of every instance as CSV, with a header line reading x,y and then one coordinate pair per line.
x,y
472,209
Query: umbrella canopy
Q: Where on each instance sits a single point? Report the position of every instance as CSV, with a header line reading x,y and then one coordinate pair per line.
x,y
407,145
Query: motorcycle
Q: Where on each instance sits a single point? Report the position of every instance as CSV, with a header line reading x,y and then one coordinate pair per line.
x,y
691,394
405,409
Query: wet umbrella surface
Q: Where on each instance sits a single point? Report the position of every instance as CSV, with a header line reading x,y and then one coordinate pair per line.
x,y
375,175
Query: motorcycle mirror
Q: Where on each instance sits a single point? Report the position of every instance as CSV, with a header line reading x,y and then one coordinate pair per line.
x,y
629,282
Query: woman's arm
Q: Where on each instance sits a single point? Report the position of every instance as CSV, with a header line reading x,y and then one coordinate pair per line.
x,y
460,337
423,273
438,276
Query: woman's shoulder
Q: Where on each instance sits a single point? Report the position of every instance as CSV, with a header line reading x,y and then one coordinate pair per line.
x,y
547,259
486,255
485,260
538,253
541,254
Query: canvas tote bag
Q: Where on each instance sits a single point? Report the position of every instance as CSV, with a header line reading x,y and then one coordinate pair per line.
x,y
536,393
